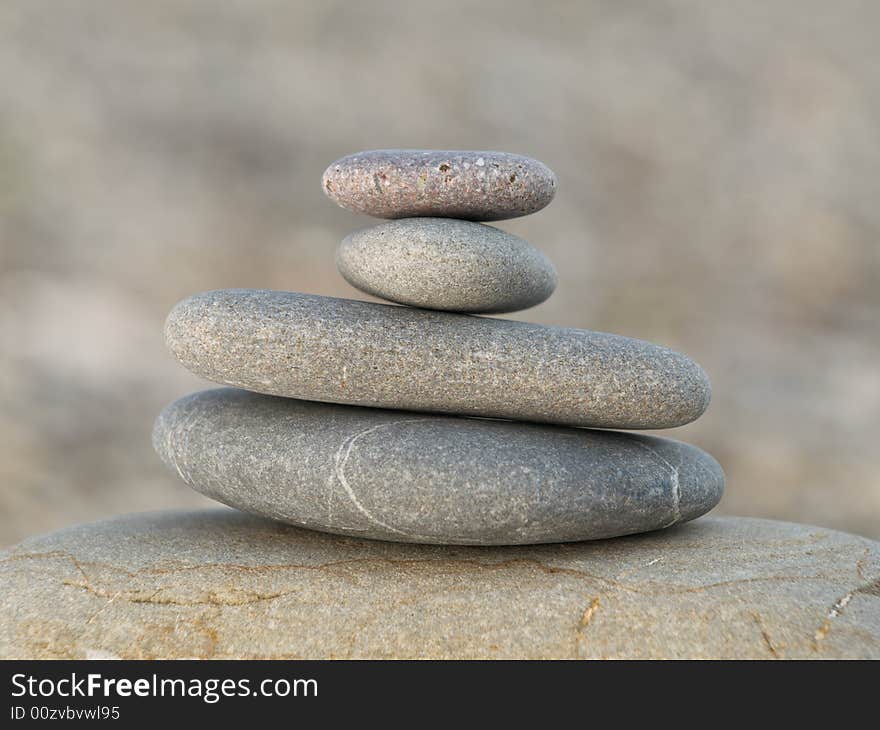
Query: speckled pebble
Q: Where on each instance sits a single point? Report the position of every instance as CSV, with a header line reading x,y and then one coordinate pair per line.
x,y
361,353
472,185
219,584
448,264
408,477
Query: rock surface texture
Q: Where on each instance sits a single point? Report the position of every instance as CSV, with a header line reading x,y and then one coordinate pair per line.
x,y
470,185
409,477
360,353
446,264
221,584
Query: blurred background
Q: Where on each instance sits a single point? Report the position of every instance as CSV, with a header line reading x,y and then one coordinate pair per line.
x,y
719,193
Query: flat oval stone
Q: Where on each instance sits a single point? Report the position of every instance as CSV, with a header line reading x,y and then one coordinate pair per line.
x,y
449,264
477,186
361,353
392,475
218,584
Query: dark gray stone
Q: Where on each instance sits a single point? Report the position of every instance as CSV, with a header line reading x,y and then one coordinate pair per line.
x,y
472,185
443,263
393,475
218,584
360,353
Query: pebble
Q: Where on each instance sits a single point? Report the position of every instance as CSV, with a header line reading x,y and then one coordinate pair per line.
x,y
217,584
447,264
478,186
392,475
361,353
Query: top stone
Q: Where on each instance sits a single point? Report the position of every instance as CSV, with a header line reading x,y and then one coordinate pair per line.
x,y
471,185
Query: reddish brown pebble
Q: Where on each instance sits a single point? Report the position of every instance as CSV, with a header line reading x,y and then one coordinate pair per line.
x,y
476,186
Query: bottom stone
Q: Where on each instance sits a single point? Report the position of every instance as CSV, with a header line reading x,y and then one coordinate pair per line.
x,y
221,584
415,477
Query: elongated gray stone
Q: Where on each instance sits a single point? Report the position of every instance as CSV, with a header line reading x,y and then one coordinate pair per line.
x,y
393,475
360,353
218,584
448,264
472,185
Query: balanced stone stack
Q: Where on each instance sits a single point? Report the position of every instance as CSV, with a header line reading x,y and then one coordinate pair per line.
x,y
424,423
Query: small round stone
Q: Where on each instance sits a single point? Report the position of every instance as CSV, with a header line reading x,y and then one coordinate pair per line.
x,y
448,264
392,475
361,353
477,186
218,584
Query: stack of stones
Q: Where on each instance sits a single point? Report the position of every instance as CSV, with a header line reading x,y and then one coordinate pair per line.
x,y
423,423
377,435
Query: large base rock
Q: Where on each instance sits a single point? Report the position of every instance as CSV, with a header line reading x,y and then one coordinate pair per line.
x,y
223,584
